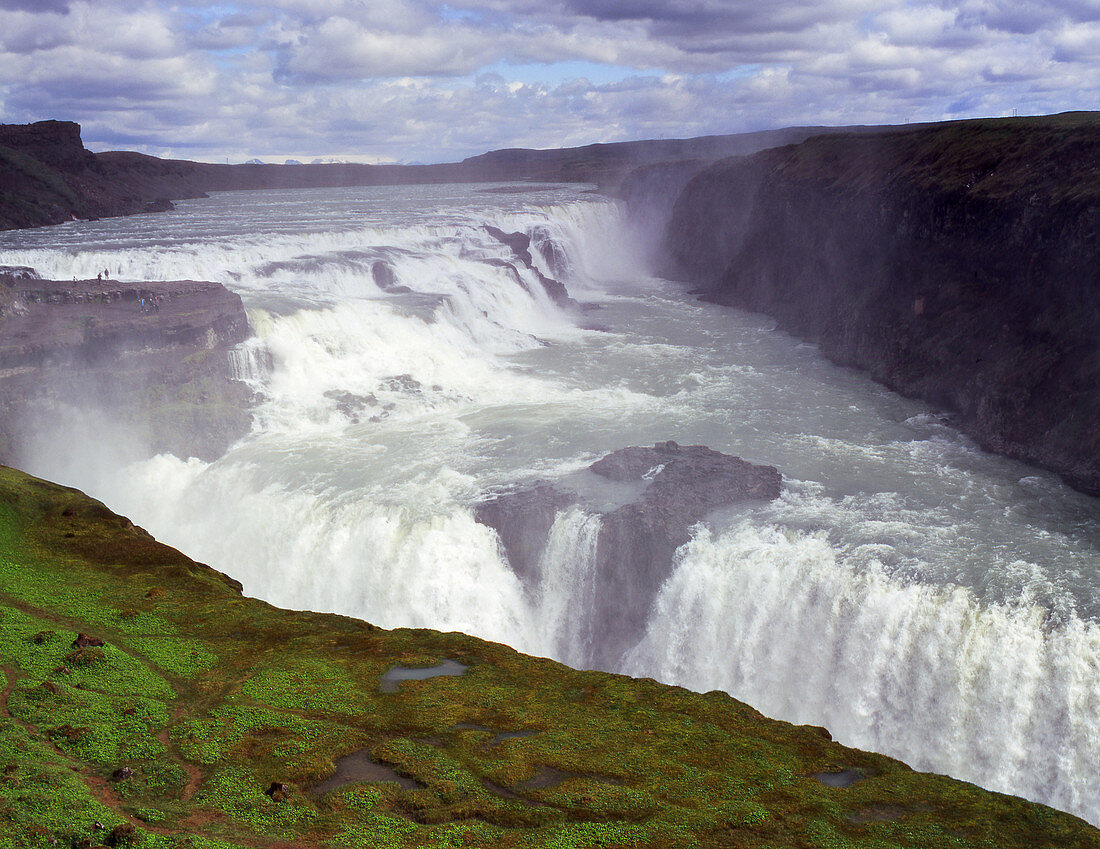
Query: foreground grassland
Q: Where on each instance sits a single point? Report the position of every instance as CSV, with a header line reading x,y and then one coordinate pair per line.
x,y
174,731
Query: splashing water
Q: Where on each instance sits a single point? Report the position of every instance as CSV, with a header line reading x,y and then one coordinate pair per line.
x,y
911,593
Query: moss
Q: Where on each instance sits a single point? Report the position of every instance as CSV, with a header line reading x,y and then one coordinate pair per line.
x,y
39,171
210,699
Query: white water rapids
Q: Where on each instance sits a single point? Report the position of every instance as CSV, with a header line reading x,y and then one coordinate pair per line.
x,y
909,592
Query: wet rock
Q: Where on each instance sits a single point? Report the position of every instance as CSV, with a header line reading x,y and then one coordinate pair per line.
x,y
386,280
9,274
557,261
522,519
402,383
520,243
637,541
159,205
349,404
89,345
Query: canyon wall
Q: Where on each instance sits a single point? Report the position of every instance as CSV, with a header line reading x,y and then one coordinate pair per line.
x,y
957,263
75,356
47,176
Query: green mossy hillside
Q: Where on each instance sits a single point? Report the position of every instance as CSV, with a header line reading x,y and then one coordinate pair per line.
x,y
207,720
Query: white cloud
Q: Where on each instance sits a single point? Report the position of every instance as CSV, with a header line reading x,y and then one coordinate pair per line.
x,y
414,80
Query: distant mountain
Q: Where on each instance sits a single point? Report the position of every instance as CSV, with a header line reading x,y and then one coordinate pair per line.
x,y
48,176
292,162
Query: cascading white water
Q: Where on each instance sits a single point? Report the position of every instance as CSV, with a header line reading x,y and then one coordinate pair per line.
x,y
987,693
565,595
911,593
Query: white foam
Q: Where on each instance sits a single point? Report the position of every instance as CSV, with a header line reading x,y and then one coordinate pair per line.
x,y
784,621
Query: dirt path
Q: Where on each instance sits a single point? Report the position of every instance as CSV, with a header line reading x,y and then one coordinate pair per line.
x,y
10,679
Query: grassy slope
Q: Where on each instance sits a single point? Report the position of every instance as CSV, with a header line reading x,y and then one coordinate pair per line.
x,y
983,158
209,697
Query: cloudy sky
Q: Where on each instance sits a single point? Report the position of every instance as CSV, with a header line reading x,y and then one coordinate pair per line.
x,y
414,80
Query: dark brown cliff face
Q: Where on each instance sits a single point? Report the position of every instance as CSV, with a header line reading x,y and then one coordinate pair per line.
x,y
47,177
73,354
959,264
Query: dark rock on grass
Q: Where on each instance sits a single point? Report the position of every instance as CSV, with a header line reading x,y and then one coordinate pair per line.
x,y
278,791
121,835
85,657
83,640
122,773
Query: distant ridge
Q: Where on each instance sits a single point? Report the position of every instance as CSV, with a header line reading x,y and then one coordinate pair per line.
x,y
48,177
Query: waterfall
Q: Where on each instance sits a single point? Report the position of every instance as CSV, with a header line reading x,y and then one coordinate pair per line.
x,y
565,596
912,594
997,695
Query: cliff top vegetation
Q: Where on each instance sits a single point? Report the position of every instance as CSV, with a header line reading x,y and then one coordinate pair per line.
x,y
983,158
146,702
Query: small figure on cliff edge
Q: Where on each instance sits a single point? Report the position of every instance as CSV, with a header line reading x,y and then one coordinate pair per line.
x,y
99,276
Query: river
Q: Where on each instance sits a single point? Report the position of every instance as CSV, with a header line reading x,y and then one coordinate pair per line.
x,y
911,593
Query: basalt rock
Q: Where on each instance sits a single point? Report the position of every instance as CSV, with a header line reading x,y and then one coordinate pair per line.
x,y
637,541
88,346
522,519
958,263
520,243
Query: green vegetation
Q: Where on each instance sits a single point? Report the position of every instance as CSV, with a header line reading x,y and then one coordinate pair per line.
x,y
207,721
38,171
986,159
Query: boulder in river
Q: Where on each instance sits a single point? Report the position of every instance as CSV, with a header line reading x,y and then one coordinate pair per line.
x,y
679,486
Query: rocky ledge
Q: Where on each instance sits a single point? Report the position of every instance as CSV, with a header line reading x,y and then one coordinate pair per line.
x,y
88,347
957,263
658,493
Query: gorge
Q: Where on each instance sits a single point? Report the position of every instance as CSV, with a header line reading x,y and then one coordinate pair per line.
x,y
409,363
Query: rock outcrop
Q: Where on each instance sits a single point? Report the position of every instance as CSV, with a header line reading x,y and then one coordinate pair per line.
x,y
48,177
674,487
90,345
520,244
958,263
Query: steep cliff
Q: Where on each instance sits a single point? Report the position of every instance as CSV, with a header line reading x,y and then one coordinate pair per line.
x,y
74,353
958,263
46,177
144,702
